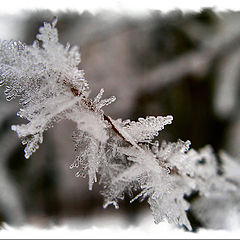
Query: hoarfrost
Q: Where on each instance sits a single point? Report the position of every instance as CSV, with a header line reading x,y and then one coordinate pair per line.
x,y
121,155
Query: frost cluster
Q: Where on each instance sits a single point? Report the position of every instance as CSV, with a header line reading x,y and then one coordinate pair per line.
x,y
121,155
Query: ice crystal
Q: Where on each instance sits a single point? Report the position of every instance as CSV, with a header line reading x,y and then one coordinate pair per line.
x,y
121,155
40,77
158,179
145,130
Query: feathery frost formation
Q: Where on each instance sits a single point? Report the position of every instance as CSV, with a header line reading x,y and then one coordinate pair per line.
x,y
121,155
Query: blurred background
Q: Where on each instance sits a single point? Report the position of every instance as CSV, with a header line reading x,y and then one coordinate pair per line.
x,y
181,64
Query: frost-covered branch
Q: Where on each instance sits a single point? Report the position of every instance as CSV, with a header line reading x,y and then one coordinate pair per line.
x,y
121,155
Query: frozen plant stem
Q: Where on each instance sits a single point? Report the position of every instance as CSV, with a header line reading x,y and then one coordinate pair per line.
x,y
108,119
121,155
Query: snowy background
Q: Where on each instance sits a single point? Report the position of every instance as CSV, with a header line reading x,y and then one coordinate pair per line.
x,y
186,64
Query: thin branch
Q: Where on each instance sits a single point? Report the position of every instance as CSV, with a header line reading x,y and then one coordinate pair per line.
x,y
76,93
